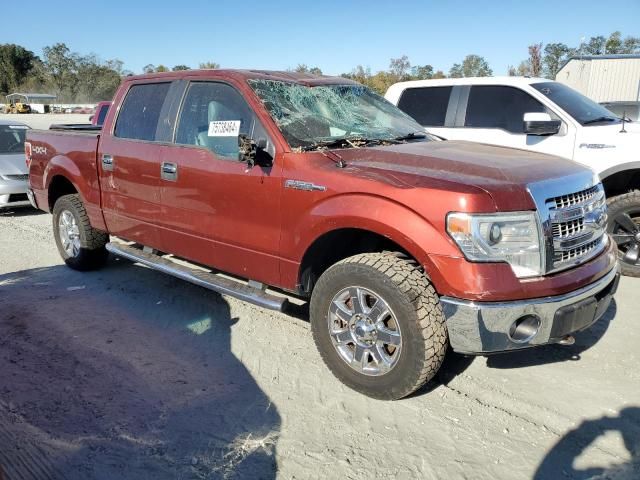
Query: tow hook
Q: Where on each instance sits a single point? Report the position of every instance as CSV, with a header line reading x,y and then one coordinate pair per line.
x,y
567,340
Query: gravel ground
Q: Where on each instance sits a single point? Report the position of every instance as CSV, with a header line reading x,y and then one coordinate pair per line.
x,y
127,373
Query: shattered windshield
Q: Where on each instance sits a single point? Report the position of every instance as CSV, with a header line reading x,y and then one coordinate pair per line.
x,y
336,116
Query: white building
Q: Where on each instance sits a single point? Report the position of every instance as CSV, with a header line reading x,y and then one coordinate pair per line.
x,y
603,78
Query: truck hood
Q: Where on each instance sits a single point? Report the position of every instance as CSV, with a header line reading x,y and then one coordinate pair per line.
x,y
503,173
13,164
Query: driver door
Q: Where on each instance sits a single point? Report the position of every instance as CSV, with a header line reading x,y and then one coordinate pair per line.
x,y
215,209
495,114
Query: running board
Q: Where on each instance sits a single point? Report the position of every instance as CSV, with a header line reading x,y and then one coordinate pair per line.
x,y
205,279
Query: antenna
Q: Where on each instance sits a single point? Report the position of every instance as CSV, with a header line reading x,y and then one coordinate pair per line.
x,y
624,119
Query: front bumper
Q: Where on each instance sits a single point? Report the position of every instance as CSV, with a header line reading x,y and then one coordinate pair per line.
x,y
484,327
13,193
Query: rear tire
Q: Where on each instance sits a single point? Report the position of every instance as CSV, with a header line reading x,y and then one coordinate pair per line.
x,y
81,246
382,355
624,227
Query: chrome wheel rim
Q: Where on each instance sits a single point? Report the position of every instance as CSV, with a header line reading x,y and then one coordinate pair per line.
x,y
626,233
364,331
69,233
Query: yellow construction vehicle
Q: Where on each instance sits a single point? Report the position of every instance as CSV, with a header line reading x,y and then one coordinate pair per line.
x,y
16,104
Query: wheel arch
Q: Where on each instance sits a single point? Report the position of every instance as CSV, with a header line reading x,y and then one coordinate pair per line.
x,y
621,179
336,245
59,186
348,225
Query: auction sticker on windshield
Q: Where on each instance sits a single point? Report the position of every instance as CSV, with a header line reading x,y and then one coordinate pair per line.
x,y
226,128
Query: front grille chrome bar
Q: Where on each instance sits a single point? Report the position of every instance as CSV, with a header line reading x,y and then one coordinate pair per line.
x,y
573,217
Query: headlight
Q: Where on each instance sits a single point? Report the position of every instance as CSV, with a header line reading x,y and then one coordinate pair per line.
x,y
513,238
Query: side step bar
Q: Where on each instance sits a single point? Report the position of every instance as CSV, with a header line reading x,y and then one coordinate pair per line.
x,y
199,277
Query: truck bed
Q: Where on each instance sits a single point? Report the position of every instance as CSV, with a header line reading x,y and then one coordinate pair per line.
x,y
72,152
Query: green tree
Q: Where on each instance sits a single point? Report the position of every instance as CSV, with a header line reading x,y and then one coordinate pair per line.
x,y
303,68
178,68
615,44
595,46
555,54
97,81
16,63
209,65
61,67
472,66
422,72
161,68
359,74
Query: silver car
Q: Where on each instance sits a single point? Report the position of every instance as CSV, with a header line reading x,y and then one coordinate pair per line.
x,y
14,174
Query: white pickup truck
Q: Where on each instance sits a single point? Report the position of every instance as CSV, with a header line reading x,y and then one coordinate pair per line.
x,y
543,116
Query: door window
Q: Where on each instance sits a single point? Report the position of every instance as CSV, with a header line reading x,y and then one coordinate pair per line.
x,y
212,116
427,105
501,107
140,112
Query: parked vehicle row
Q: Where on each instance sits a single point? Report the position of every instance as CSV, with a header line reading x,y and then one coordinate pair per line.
x,y
319,188
539,115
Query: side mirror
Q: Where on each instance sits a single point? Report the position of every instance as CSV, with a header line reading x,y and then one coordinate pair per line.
x,y
254,151
540,124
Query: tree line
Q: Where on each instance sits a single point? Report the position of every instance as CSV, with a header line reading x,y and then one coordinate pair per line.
x,y
77,78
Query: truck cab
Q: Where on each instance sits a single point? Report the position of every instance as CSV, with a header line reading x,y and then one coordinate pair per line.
x,y
543,116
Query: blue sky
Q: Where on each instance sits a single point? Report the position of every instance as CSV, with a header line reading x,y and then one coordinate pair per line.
x,y
334,35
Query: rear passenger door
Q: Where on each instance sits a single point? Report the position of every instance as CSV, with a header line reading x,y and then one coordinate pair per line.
x,y
216,210
129,159
494,114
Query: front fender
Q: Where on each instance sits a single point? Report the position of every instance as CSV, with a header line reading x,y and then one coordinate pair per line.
x,y
415,234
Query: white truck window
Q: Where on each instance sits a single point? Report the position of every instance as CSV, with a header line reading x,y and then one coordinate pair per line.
x,y
493,106
427,105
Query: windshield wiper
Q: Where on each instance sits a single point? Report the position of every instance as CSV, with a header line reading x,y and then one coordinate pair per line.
x,y
348,142
411,136
601,119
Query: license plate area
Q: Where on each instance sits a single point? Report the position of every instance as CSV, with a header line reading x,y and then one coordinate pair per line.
x,y
579,315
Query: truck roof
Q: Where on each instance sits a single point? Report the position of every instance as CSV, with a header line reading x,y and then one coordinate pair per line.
x,y
238,74
395,89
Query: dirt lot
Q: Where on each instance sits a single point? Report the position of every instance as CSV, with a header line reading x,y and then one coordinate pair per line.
x,y
127,373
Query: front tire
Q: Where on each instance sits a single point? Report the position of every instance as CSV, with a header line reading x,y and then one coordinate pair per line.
x,y
81,246
378,325
624,227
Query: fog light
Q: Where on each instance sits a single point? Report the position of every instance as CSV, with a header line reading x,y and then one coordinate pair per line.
x,y
524,328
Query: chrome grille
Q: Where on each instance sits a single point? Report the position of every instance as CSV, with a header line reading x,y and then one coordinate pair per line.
x,y
578,222
574,253
564,201
567,229
573,224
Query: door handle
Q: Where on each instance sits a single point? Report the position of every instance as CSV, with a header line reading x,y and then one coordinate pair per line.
x,y
169,171
107,162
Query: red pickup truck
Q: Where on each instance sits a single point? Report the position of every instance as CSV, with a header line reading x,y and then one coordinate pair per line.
x,y
316,187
